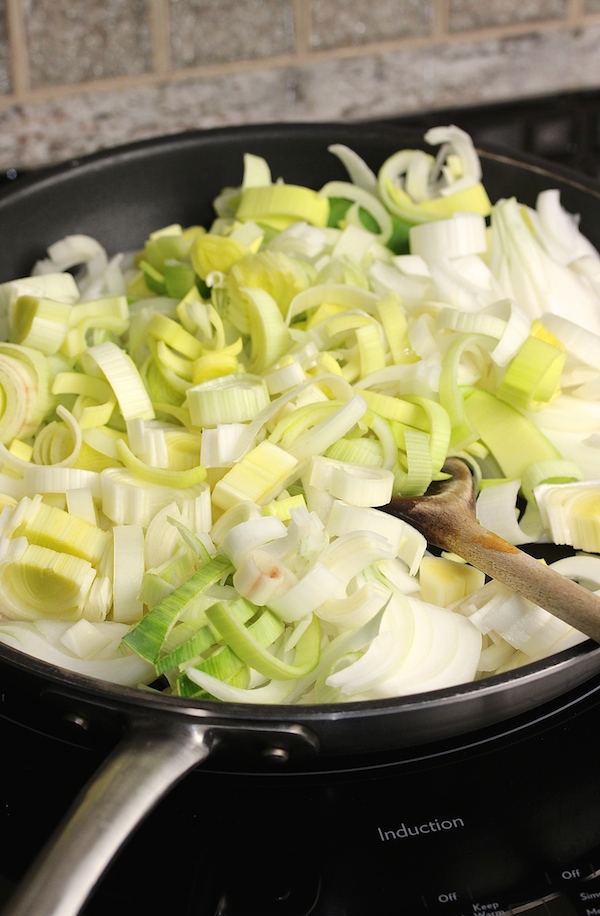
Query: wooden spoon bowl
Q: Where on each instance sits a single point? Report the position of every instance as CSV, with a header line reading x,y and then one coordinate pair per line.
x,y
445,515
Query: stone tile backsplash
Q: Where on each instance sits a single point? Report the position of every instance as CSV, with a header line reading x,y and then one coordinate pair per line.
x,y
468,14
80,75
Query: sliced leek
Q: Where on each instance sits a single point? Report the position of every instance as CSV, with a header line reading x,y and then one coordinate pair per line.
x,y
249,649
149,635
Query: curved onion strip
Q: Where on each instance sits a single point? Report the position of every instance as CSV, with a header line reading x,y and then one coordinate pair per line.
x,y
159,475
127,669
351,297
359,172
496,511
361,200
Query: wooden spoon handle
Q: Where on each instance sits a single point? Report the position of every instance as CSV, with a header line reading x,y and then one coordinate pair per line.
x,y
544,586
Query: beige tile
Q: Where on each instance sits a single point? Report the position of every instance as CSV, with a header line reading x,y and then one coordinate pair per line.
x,y
473,14
338,23
73,41
209,31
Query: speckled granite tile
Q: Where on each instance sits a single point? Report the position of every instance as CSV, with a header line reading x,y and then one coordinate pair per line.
x,y
356,88
105,39
4,51
473,14
461,73
60,129
338,23
209,31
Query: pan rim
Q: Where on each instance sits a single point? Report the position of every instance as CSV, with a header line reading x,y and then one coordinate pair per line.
x,y
484,689
29,181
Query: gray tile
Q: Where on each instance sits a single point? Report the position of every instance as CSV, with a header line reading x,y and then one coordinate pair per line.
x,y
473,14
461,73
4,50
210,31
74,41
528,65
338,23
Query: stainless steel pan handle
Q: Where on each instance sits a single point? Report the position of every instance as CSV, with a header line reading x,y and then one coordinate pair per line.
x,y
149,761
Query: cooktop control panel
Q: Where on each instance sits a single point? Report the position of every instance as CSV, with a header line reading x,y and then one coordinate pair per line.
x,y
503,821
580,896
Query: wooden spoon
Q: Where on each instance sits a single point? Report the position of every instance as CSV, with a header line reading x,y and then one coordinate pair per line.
x,y
445,515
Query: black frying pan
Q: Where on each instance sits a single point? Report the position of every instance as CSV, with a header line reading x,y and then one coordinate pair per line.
x,y
119,197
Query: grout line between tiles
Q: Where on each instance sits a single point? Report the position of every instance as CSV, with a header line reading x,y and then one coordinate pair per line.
x,y
17,39
575,11
441,16
302,13
161,44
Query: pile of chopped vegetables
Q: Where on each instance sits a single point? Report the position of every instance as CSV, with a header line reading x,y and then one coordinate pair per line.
x,y
195,439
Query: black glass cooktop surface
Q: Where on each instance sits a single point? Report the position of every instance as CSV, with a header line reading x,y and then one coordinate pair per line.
x,y
504,821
